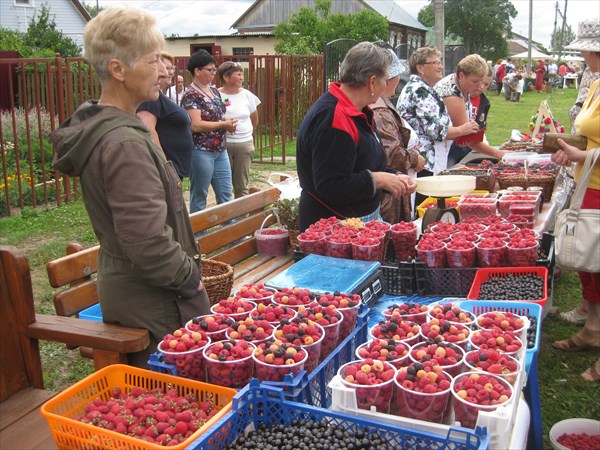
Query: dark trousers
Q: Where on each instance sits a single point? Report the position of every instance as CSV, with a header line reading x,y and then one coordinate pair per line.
x,y
456,154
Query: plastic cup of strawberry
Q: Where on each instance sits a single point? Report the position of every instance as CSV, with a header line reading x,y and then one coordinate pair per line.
x,y
378,226
404,237
452,332
250,330
273,313
496,339
214,325
504,320
294,297
339,245
422,392
330,319
175,417
183,349
491,252
274,359
347,304
522,251
397,329
372,381
495,363
303,332
229,363
388,350
236,308
451,313
312,242
373,233
474,392
408,311
449,356
432,253
256,292
460,253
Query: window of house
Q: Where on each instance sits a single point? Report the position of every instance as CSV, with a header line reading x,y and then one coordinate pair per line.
x,y
24,3
237,51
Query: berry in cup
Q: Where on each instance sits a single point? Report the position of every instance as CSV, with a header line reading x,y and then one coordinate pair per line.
x,y
294,297
491,252
183,349
373,382
451,313
409,311
214,325
388,350
275,359
257,292
494,362
303,332
460,253
496,339
236,308
365,248
229,363
449,356
397,329
250,330
330,319
452,332
273,313
422,392
347,304
474,392
432,253
506,321
312,242
404,237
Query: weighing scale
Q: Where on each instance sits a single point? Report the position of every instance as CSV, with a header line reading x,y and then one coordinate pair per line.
x,y
326,274
442,187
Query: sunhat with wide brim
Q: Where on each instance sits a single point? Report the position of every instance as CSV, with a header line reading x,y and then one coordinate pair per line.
x,y
588,36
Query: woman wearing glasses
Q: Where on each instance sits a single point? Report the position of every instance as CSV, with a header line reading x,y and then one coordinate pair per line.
x,y
210,163
241,105
426,113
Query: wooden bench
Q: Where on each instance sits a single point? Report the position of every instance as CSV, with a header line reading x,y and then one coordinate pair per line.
x,y
21,382
226,233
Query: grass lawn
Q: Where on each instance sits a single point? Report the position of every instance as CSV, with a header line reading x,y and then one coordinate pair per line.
x,y
43,235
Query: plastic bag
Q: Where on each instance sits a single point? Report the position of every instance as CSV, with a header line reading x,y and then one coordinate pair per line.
x,y
289,188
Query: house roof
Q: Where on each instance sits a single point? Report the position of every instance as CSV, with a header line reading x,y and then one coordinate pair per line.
x,y
86,15
390,9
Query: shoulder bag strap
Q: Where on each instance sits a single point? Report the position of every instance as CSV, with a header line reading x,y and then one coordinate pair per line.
x,y
590,161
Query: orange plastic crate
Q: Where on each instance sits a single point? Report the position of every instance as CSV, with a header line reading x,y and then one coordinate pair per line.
x,y
501,272
72,434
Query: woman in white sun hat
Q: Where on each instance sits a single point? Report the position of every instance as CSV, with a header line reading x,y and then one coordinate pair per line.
x,y
587,124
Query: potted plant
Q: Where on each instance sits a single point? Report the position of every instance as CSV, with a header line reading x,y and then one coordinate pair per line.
x,y
287,212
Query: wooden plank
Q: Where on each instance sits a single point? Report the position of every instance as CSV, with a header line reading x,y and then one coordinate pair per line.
x,y
210,217
264,271
72,300
30,432
250,264
98,335
74,267
20,404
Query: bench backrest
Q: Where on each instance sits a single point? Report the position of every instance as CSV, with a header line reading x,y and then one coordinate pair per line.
x,y
20,365
228,236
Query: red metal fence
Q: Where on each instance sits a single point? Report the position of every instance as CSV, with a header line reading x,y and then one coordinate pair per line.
x,y
36,95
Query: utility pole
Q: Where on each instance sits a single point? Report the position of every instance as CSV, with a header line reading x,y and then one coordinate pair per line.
x,y
438,8
554,31
562,32
529,36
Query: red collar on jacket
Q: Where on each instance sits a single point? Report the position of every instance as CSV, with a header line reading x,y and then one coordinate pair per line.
x,y
345,111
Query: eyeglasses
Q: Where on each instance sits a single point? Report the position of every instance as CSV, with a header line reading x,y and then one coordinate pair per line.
x,y
171,69
435,63
211,70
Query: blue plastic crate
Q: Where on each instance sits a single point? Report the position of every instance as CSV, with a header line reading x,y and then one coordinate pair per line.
x,y
521,308
312,388
260,404
92,313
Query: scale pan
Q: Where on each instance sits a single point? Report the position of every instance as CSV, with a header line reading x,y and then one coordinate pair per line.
x,y
446,185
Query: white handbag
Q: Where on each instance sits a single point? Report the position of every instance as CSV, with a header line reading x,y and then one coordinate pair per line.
x,y
576,230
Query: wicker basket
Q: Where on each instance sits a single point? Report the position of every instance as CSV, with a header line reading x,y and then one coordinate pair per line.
x,y
293,234
545,181
485,179
217,277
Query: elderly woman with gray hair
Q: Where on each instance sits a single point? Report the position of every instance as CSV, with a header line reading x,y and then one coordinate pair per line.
x,y
341,162
149,262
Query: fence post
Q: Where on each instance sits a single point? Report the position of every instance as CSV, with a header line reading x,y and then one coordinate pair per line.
x,y
60,109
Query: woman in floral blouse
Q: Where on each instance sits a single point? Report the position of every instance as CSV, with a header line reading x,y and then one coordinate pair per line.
x,y
425,112
210,162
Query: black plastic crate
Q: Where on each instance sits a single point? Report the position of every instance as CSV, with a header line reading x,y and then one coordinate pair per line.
x,y
457,282
398,279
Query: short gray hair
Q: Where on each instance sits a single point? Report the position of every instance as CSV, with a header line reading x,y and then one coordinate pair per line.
x,y
362,61
420,56
125,34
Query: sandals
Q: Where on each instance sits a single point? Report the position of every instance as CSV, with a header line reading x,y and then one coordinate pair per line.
x,y
592,375
573,316
569,345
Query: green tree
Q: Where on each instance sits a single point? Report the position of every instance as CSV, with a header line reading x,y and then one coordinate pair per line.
x,y
42,34
93,10
12,40
309,28
559,42
483,25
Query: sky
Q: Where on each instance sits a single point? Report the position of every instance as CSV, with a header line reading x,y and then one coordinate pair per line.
x,y
205,17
